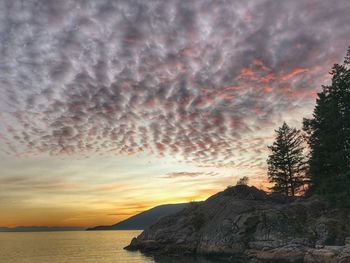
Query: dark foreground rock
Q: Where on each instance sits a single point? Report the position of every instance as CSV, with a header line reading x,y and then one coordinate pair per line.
x,y
248,225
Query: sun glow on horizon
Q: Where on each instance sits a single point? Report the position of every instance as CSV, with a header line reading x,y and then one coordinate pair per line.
x,y
109,108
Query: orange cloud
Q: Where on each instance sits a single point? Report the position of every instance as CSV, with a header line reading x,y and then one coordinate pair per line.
x,y
247,73
294,73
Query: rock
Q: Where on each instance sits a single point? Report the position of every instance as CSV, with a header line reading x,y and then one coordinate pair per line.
x,y
319,246
247,223
284,254
133,245
319,255
347,241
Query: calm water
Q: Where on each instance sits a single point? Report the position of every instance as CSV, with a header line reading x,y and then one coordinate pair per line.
x,y
76,247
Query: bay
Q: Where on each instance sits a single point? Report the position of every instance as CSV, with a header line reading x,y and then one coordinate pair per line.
x,y
77,247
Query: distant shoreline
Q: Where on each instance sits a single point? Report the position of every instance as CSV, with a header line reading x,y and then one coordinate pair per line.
x,y
39,229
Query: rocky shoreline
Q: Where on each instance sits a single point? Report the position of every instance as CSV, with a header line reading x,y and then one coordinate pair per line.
x,y
249,225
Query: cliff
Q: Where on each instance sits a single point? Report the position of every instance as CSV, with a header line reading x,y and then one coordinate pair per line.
x,y
250,225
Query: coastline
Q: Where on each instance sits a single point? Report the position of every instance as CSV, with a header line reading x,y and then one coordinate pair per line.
x,y
249,225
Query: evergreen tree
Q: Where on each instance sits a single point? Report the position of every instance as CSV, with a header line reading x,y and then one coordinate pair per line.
x,y
286,163
243,181
329,135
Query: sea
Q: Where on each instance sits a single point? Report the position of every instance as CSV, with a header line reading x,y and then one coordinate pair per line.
x,y
78,247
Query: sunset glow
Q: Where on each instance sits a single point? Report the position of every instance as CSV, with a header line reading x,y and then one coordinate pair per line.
x,y
108,108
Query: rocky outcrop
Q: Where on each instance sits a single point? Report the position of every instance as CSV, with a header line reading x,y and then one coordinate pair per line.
x,y
253,226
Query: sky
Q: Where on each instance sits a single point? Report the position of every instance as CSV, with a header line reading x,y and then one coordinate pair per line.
x,y
108,108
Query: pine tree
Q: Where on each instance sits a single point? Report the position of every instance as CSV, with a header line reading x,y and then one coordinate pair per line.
x,y
329,135
286,163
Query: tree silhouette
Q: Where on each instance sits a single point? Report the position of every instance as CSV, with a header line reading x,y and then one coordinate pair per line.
x,y
286,163
243,181
328,134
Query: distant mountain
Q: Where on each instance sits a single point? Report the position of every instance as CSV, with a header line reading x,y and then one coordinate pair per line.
x,y
143,220
39,229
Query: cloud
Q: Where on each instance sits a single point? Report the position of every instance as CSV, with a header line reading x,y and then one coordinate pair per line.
x,y
111,187
120,214
188,174
195,79
26,183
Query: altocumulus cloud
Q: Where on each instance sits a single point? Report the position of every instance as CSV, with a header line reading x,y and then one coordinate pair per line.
x,y
180,78
188,174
